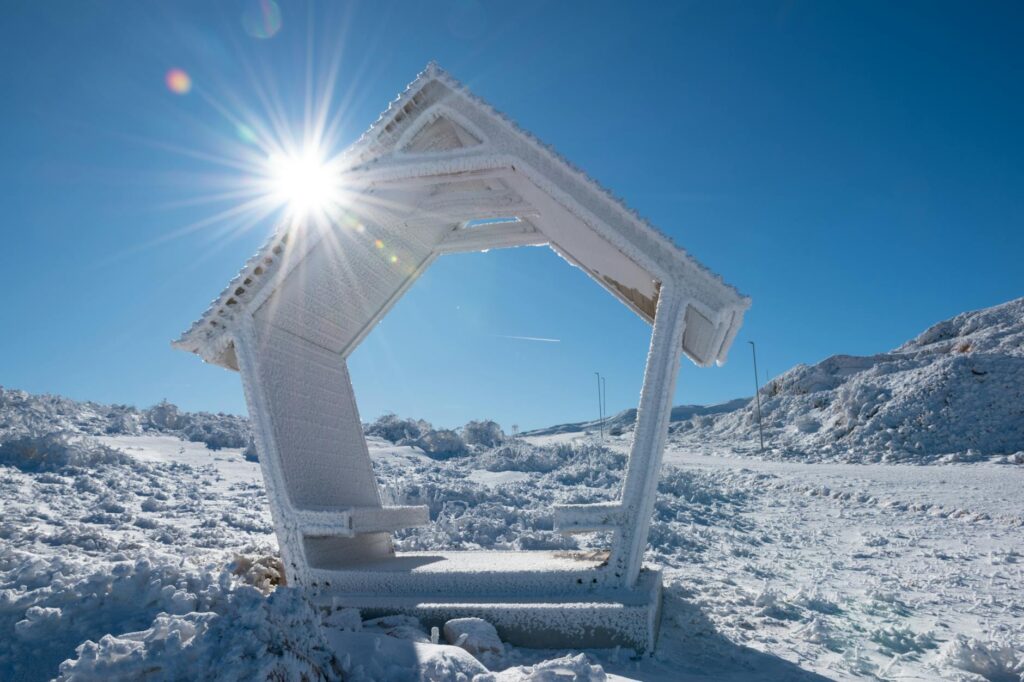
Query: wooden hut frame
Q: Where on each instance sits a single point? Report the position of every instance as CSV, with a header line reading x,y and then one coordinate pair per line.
x,y
442,172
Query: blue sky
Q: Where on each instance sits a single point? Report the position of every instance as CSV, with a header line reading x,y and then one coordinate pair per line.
x,y
856,168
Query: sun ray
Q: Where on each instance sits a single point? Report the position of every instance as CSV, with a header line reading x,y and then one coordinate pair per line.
x,y
274,151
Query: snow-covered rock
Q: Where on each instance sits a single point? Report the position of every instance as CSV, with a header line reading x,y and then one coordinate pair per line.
x,y
475,635
576,668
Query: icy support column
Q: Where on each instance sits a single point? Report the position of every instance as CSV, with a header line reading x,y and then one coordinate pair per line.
x,y
643,471
289,537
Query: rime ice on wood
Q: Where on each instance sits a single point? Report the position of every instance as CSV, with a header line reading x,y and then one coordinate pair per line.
x,y
442,172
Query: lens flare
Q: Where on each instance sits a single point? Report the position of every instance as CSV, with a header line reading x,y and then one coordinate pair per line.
x,y
261,18
246,134
178,82
268,162
305,183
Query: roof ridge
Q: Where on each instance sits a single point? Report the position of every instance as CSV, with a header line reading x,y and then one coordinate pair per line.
x,y
433,70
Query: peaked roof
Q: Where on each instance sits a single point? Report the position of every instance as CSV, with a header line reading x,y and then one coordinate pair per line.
x,y
406,134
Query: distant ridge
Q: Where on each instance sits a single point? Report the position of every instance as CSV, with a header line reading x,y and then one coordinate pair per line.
x,y
624,420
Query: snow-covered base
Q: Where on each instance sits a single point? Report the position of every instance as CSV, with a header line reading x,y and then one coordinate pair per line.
x,y
773,570
535,599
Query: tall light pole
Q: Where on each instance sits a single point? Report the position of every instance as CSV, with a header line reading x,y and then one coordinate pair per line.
x,y
757,395
604,400
600,410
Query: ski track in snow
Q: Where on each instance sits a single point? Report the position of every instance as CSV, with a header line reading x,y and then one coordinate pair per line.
x,y
773,570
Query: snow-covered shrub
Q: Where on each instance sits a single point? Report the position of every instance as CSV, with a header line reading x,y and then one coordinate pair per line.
x,y
23,413
217,431
994,661
396,429
123,420
484,433
163,416
442,444
770,604
521,456
55,451
899,639
264,572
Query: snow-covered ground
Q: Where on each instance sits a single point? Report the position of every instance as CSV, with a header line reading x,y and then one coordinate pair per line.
x,y
131,550
774,570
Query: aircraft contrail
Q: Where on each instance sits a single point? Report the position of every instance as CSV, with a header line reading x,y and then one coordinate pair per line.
x,y
529,338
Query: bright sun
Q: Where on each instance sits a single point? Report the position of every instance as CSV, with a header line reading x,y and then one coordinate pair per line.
x,y
303,182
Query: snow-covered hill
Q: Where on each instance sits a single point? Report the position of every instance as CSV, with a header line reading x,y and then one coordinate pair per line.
x,y
954,393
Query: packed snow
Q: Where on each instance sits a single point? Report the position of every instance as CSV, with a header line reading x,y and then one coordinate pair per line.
x,y
137,543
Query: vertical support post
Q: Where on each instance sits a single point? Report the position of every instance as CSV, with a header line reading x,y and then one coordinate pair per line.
x,y
600,408
288,536
644,468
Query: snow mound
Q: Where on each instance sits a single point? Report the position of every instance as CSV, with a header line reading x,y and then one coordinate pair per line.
x,y
985,661
955,393
252,637
475,635
576,668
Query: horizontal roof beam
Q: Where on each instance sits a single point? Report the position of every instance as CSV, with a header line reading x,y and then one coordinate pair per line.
x,y
495,236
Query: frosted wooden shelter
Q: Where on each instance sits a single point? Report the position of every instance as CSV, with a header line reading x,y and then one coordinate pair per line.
x,y
442,172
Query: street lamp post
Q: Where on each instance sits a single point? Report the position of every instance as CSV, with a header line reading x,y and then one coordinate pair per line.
x,y
604,400
757,395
